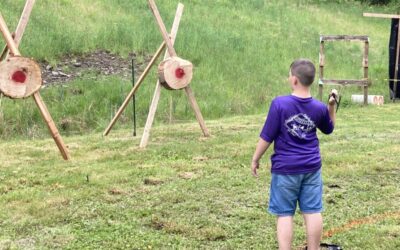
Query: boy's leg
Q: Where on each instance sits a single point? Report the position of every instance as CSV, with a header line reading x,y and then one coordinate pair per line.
x,y
311,206
284,228
314,230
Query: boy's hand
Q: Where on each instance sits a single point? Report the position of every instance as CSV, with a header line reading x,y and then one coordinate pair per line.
x,y
254,166
333,97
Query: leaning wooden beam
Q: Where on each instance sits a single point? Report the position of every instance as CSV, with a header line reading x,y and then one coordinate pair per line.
x,y
163,30
23,22
51,125
8,37
344,37
379,15
196,110
36,96
133,91
157,92
4,53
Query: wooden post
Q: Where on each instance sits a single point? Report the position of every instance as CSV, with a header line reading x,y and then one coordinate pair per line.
x,y
321,69
365,66
150,117
157,92
133,91
23,21
8,37
50,124
196,110
163,30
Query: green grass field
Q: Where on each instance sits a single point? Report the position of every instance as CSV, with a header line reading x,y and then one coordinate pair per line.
x,y
241,51
185,191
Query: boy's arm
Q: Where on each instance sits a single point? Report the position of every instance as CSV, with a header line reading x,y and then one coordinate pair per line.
x,y
332,107
262,146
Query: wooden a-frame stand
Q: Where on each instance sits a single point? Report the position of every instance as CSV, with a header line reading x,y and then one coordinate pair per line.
x,y
168,42
396,68
343,82
18,77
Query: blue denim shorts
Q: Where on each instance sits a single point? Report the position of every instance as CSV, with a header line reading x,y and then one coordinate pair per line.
x,y
287,190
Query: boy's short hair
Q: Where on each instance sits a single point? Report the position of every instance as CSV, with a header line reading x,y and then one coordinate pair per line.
x,y
304,70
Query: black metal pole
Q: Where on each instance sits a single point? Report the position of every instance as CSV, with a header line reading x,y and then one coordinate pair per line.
x,y
133,99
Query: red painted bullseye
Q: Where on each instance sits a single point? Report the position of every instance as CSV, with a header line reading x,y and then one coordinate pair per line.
x,y
19,77
179,73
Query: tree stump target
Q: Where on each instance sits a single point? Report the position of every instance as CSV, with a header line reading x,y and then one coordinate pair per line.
x,y
175,73
20,77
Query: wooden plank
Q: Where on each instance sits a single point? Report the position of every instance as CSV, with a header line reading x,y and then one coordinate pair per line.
x,y
4,52
19,32
196,109
50,124
8,37
163,30
134,89
321,68
343,38
150,117
345,82
379,15
365,65
23,21
157,92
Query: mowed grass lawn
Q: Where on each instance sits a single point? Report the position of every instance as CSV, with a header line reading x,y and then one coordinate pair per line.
x,y
187,192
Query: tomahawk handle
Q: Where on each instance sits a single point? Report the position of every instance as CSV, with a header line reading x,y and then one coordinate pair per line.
x,y
163,30
50,124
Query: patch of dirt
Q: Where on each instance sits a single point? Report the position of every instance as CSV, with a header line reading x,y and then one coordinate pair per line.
x,y
153,181
116,191
101,62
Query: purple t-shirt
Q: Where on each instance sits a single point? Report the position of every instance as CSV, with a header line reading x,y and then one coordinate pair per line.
x,y
292,124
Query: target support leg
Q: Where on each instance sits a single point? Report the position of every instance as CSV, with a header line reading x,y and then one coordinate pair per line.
x,y
50,124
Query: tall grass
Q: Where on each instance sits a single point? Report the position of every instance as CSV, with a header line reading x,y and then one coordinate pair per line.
x,y
241,51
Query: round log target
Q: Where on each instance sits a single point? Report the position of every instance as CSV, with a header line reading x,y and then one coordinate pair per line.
x,y
20,77
175,73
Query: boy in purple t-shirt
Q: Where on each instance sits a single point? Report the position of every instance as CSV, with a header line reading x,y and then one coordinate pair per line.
x,y
292,124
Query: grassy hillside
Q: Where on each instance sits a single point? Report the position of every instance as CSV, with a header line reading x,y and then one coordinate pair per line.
x,y
241,50
186,192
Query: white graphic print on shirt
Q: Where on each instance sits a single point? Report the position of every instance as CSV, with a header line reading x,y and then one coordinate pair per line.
x,y
299,125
